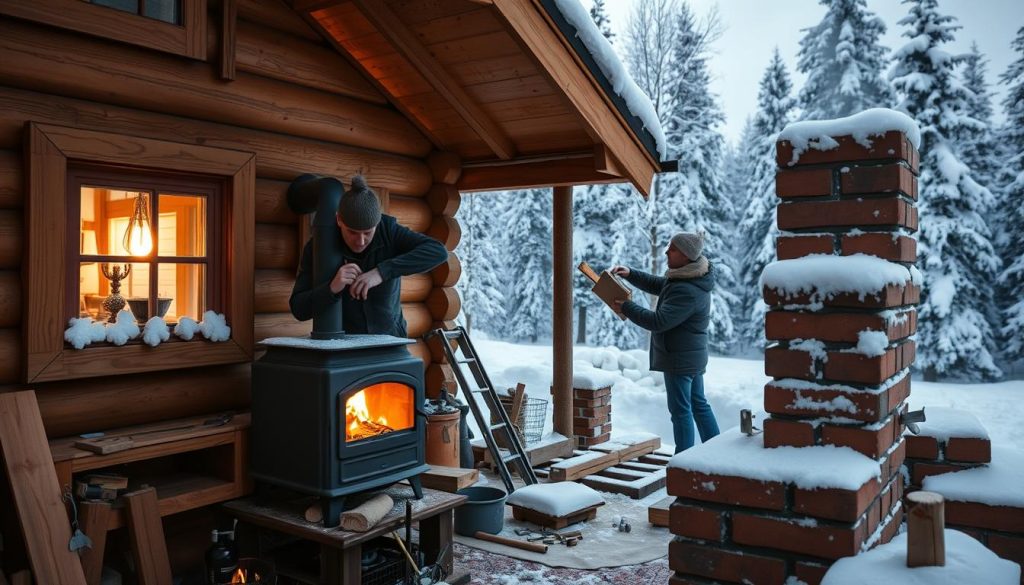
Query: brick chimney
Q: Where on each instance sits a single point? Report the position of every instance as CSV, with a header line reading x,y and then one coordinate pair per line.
x,y
830,387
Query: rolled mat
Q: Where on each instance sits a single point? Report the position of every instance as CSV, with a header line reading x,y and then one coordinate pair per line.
x,y
368,514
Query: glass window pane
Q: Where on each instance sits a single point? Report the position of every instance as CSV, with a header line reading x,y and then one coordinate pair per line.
x,y
182,289
125,5
182,225
133,286
105,218
165,10
89,298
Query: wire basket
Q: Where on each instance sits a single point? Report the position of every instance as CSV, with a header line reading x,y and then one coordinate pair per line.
x,y
535,412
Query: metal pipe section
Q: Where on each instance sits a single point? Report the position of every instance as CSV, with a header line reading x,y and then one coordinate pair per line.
x,y
311,193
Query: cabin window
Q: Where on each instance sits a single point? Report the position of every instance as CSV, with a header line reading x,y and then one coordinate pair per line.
x,y
158,230
171,26
178,218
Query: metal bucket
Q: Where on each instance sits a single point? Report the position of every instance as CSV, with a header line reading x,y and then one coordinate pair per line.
x,y
484,510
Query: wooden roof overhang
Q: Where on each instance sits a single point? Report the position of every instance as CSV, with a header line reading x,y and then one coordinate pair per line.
x,y
504,84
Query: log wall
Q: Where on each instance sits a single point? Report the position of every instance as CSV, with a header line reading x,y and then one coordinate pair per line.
x,y
295,102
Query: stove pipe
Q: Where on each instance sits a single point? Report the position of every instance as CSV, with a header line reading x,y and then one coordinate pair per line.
x,y
306,194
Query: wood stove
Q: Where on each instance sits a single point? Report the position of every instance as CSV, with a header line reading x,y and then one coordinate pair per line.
x,y
333,417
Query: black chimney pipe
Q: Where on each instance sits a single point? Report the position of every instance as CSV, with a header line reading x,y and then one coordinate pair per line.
x,y
306,194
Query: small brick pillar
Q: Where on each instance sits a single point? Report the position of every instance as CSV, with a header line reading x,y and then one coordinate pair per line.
x,y
936,451
841,202
591,416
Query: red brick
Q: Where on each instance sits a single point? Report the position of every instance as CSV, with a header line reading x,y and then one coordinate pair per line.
x,y
869,407
724,489
855,367
1005,518
884,245
811,573
591,393
889,212
870,442
835,327
834,503
780,362
788,433
890,297
969,450
819,540
803,183
890,464
890,178
789,247
725,565
921,447
599,412
594,403
695,522
1008,547
899,392
891,529
892,146
923,470
591,441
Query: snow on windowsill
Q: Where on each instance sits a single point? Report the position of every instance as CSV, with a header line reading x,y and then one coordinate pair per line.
x,y
820,134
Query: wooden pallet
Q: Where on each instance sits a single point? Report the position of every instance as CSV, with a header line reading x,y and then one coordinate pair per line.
x,y
541,519
634,470
658,512
636,485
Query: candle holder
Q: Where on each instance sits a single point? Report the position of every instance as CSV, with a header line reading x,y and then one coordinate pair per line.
x,y
114,302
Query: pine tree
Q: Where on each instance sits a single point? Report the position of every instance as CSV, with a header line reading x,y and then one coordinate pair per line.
x,y
758,226
528,280
843,62
1011,206
604,24
957,257
978,146
481,283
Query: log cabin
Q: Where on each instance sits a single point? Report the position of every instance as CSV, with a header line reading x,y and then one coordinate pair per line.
x,y
202,112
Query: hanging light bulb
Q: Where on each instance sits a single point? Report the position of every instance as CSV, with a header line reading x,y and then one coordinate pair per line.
x,y
138,238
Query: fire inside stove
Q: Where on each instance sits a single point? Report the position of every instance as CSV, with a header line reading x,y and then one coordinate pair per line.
x,y
379,409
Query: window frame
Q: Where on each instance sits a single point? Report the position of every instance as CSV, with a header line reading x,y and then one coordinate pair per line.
x,y
49,151
187,39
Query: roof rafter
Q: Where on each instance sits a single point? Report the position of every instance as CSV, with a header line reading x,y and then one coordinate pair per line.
x,y
406,43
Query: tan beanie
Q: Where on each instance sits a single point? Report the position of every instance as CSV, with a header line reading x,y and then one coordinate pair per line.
x,y
691,244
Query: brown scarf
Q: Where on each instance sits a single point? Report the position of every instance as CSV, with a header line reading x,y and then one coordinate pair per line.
x,y
695,269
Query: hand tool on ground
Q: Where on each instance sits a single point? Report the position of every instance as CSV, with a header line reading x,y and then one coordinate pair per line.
x,y
530,546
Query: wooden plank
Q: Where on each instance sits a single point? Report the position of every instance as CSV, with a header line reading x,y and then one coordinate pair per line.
x,y
277,15
449,479
36,492
277,246
570,170
12,230
658,512
93,518
637,466
146,534
12,185
228,38
581,466
655,459
627,452
10,298
636,489
389,24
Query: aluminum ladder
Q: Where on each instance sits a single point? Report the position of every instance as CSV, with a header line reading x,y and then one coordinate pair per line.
x,y
516,455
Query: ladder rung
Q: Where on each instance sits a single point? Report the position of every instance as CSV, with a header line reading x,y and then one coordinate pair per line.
x,y
466,361
481,390
511,457
498,426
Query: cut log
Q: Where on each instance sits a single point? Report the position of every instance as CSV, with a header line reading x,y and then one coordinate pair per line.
x,y
444,303
449,479
416,288
420,350
417,319
277,15
444,199
12,237
10,298
279,325
446,230
277,246
448,273
581,466
445,167
12,184
926,523
273,288
271,202
10,356
440,376
412,212
658,512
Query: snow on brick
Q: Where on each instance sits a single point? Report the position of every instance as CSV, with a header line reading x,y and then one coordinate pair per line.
x,y
637,101
871,343
824,466
818,134
825,276
798,384
591,378
555,499
946,423
837,404
967,561
999,483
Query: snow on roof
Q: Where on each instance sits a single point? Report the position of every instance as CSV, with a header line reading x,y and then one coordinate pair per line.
x,y
944,423
967,561
637,101
819,134
555,499
826,275
995,484
735,454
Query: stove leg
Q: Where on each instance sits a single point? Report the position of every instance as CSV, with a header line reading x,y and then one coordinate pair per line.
x,y
332,509
417,486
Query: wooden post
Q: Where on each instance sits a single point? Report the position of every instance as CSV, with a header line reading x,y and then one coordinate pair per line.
x,y
561,334
926,544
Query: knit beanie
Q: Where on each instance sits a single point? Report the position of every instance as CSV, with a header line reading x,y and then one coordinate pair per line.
x,y
689,243
359,208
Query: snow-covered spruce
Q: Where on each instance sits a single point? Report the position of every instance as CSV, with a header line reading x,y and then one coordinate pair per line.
x,y
83,331
480,286
823,276
819,134
155,332
1011,195
123,329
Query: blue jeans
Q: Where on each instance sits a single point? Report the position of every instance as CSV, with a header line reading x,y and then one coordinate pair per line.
x,y
686,405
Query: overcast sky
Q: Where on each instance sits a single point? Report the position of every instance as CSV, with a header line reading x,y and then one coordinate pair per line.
x,y
754,27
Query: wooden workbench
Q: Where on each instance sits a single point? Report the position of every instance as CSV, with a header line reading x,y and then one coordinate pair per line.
x,y
340,550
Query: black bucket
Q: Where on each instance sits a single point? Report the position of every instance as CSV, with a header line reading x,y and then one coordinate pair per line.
x,y
483,510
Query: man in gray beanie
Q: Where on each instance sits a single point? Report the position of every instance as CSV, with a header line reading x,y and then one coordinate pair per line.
x,y
377,252
679,332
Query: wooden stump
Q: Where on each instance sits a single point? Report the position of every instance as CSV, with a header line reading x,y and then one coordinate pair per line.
x,y
926,545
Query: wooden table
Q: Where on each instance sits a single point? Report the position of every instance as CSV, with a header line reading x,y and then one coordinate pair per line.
x,y
340,550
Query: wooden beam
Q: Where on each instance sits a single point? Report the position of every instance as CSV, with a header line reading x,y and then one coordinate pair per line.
x,y
229,25
406,43
561,328
558,60
146,533
545,173
605,163
311,5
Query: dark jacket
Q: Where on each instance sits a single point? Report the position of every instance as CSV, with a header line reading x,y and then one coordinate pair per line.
x,y
395,251
678,323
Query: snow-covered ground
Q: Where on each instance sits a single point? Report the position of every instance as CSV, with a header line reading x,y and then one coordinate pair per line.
x,y
731,384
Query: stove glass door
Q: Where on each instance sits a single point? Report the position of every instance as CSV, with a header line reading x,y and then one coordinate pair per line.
x,y
379,409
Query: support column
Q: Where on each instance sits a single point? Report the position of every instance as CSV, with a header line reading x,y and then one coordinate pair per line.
x,y
561,334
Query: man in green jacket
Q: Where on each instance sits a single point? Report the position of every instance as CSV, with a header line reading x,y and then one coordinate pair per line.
x,y
376,253
679,332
